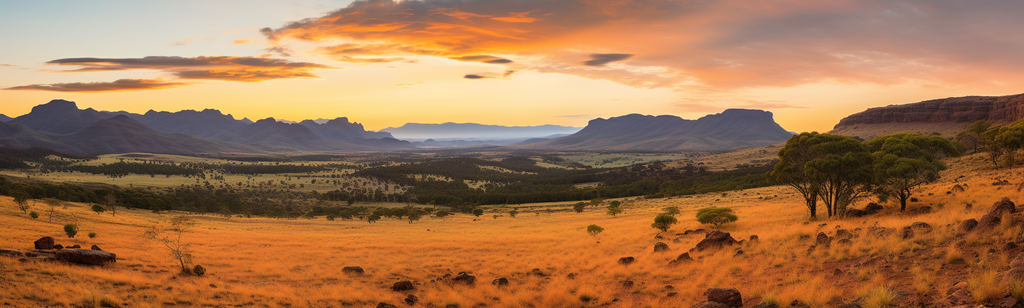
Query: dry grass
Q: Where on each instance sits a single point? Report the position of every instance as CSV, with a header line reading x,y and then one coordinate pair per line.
x,y
296,263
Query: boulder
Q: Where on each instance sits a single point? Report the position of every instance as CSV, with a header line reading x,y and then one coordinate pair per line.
x,y
45,242
967,225
715,240
843,234
957,188
353,270
709,304
989,221
855,213
404,285
500,281
76,246
58,246
921,210
1003,206
411,299
94,247
823,240
727,297
626,260
465,278
754,239
537,272
873,208
683,258
82,256
660,247
627,284
698,231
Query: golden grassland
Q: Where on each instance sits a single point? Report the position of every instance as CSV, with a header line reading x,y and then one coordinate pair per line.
x,y
263,262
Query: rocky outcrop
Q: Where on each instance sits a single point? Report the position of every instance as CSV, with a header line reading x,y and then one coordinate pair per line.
x,y
714,240
86,256
954,109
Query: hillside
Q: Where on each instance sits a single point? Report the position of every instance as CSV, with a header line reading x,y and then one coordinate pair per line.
x,y
473,131
946,116
732,129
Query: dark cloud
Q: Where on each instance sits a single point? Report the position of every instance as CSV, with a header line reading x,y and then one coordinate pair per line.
x,y
600,59
280,50
119,85
483,58
473,76
246,69
504,75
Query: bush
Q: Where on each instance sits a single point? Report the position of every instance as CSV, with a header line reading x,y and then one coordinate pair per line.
x,y
716,216
71,230
34,215
671,210
578,207
663,222
513,213
98,208
442,214
594,230
199,270
92,234
372,218
614,210
478,212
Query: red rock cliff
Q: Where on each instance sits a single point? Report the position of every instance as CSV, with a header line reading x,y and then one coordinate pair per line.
x,y
953,109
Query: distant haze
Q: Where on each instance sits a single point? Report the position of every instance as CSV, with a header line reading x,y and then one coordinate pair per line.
x,y
476,131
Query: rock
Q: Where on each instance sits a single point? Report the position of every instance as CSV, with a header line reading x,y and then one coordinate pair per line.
x,y
386,305
754,239
404,285
353,270
76,246
501,281
683,258
45,242
912,199
1003,206
411,299
823,240
82,256
94,247
842,234
660,247
57,246
799,304
1009,302
837,272
709,304
855,213
537,272
967,225
966,109
727,297
698,231
715,240
921,226
873,208
627,284
989,221
738,253
765,305
465,278
11,252
957,188
626,260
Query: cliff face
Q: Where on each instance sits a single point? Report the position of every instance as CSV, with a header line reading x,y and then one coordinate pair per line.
x,y
954,109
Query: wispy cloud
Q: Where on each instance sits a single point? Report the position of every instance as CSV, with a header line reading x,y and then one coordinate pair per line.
x,y
190,40
247,69
119,85
707,106
601,59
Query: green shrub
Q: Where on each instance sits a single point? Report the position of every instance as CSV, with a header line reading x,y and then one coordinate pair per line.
x,y
199,270
671,210
92,234
98,208
594,230
716,216
34,215
614,210
442,214
372,218
663,222
578,207
71,230
478,212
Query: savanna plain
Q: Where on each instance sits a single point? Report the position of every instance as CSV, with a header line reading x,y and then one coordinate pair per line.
x,y
546,254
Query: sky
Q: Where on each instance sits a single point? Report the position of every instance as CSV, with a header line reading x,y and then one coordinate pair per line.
x,y
384,63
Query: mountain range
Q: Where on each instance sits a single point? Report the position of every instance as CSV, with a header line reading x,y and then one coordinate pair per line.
x,y
472,131
946,116
732,129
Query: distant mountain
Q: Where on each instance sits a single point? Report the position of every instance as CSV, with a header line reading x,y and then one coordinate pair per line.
x,y
122,134
59,117
420,131
4,118
946,116
209,123
732,129
342,129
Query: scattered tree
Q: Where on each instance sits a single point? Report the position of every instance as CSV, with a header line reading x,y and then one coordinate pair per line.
x,y
578,207
663,222
615,203
902,162
71,230
98,208
841,170
374,217
614,210
442,214
513,213
1004,142
415,215
596,201
594,230
21,199
111,201
170,236
971,137
478,212
716,216
52,203
671,210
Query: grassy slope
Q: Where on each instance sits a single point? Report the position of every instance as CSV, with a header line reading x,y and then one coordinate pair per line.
x,y
279,263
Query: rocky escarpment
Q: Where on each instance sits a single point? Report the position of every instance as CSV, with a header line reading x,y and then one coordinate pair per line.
x,y
955,109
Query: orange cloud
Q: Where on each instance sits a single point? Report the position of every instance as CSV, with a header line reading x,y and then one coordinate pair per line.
x,y
247,69
119,85
726,44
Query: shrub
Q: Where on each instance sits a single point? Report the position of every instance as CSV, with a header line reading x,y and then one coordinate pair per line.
x,y
578,207
71,230
596,201
98,208
614,210
331,217
615,203
372,218
442,214
671,210
594,230
663,222
34,215
478,212
199,270
513,213
879,297
92,234
716,216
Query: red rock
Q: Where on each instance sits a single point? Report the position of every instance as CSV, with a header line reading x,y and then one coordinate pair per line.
x,y
954,109
44,243
85,256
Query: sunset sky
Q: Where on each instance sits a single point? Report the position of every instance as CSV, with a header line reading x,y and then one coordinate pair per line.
x,y
507,62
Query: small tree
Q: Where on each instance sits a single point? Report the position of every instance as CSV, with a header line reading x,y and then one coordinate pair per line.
x,y
21,198
71,230
671,210
663,222
578,207
52,203
614,210
716,216
373,218
478,212
513,213
98,208
34,215
596,201
170,237
415,215
594,230
442,214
